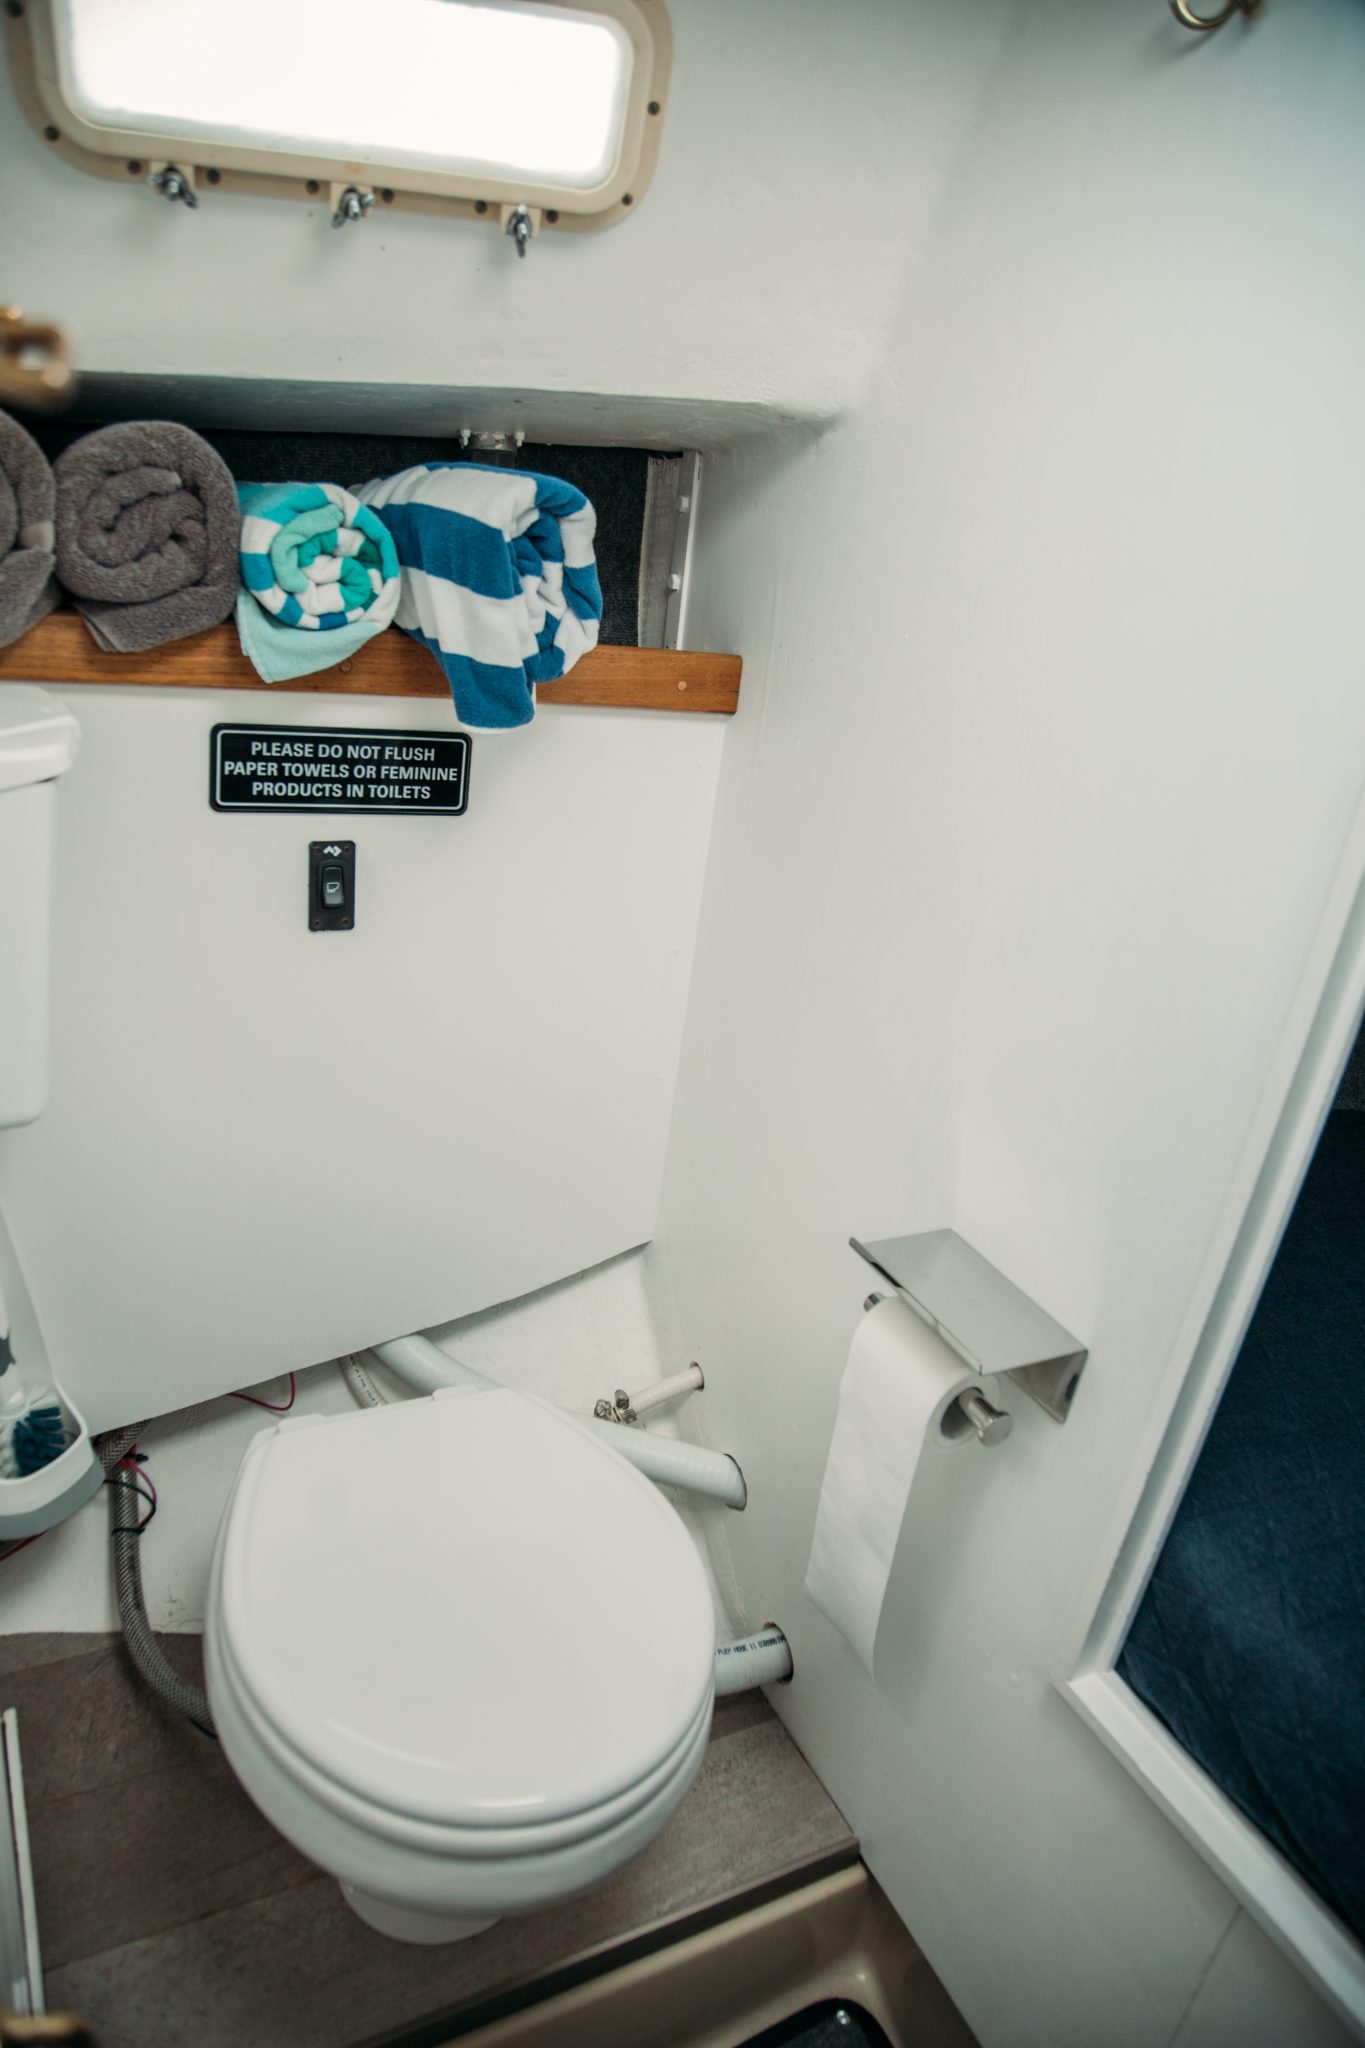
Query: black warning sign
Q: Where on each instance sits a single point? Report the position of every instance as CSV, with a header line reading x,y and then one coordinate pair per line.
x,y
338,768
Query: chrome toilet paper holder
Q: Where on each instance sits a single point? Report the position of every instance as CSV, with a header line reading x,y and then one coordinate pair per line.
x,y
992,1325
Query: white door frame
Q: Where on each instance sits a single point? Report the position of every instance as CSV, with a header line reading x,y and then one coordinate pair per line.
x,y
1305,1075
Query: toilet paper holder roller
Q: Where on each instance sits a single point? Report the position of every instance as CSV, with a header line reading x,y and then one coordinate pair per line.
x,y
992,1325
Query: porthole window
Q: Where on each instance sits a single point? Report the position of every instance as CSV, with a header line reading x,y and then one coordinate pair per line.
x,y
550,109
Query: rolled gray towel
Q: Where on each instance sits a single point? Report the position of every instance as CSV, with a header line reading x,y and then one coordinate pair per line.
x,y
147,532
27,504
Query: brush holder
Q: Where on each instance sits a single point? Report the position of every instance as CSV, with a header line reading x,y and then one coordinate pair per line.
x,y
43,1498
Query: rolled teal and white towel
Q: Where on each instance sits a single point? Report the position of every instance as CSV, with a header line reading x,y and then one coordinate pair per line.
x,y
499,579
319,578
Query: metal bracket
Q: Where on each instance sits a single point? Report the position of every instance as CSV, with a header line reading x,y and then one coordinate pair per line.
x,y
672,487
689,484
991,1324
618,1409
500,449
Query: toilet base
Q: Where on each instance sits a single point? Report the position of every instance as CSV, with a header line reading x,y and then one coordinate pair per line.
x,y
409,1923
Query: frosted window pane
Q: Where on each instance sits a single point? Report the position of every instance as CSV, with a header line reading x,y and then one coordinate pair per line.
x,y
495,90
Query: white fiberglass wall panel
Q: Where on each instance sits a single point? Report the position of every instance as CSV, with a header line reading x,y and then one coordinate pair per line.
x,y
264,1145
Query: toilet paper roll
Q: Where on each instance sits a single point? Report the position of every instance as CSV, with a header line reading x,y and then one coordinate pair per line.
x,y
897,1403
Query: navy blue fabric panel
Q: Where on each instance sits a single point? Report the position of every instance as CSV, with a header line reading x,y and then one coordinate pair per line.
x,y
1250,1642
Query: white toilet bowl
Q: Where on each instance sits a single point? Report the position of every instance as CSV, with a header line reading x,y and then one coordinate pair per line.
x,y
459,1652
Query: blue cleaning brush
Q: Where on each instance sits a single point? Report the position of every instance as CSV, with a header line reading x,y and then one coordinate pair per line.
x,y
38,1437
32,1426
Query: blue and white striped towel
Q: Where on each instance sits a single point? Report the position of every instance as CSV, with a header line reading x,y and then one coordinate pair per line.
x,y
499,579
319,575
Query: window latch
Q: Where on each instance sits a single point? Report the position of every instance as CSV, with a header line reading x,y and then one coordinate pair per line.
x,y
172,183
352,204
521,224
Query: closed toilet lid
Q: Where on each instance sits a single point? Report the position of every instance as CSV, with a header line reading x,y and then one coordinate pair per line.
x,y
464,1609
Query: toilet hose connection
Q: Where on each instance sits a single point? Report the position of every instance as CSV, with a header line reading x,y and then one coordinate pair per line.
x,y
626,1407
667,1460
764,1659
361,1383
751,1661
741,1666
143,1649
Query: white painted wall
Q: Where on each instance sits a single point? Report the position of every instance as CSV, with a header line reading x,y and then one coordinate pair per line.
x,y
265,1145
570,1344
1052,738
761,265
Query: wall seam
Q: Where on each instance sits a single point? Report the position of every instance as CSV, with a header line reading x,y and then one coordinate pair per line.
x,y
1204,1975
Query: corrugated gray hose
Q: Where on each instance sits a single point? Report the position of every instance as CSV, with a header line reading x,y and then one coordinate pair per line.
x,y
124,1514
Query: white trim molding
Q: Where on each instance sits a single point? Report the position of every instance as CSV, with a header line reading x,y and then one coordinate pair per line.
x,y
1255,1873
1324,1024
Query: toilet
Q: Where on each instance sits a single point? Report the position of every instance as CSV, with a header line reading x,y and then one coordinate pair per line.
x,y
459,1653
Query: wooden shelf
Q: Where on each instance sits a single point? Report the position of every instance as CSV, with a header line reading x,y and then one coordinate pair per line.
x,y
59,650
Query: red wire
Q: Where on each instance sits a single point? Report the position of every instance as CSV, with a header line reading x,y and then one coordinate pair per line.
x,y
275,1407
131,1465
128,1464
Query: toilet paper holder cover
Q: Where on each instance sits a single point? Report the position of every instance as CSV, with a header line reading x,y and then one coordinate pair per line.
x,y
991,1324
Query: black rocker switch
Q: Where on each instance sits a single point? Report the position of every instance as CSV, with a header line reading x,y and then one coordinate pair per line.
x,y
331,885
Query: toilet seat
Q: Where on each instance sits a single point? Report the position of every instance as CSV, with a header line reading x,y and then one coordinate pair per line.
x,y
437,1838
360,1635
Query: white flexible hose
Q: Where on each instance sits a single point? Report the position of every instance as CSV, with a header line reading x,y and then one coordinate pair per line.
x,y
366,1390
764,1659
689,1382
423,1366
670,1462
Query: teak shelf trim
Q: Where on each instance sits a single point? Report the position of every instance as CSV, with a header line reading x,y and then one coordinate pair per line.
x,y
60,650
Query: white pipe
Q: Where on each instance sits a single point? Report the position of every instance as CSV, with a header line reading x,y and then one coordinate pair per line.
x,y
671,1462
764,1659
690,1382
423,1366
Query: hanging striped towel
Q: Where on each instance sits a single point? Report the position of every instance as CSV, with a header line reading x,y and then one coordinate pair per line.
x,y
320,577
499,579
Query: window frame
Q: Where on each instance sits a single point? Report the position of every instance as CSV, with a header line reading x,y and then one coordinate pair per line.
x,y
127,156
1325,1020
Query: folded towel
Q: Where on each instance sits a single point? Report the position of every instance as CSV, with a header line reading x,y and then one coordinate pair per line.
x,y
320,576
27,507
147,526
499,579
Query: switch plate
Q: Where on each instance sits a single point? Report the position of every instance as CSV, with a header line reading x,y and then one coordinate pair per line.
x,y
331,885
